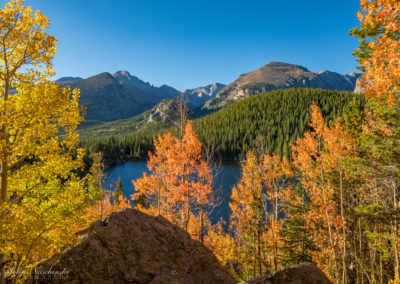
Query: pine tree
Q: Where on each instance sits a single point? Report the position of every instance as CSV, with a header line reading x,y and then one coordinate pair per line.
x,y
118,191
298,243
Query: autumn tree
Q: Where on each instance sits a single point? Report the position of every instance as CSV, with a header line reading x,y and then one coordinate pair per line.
x,y
224,246
378,213
247,221
179,185
40,191
257,212
104,207
371,28
152,191
320,156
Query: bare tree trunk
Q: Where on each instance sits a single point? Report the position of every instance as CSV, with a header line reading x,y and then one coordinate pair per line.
x,y
2,271
327,219
4,176
395,234
276,219
254,254
344,272
158,199
259,249
182,109
201,235
187,212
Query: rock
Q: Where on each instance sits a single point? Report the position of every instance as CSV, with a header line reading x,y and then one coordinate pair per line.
x,y
133,247
300,274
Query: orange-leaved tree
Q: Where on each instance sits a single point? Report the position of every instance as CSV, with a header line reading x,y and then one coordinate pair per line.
x,y
320,156
257,211
247,221
179,185
380,159
277,177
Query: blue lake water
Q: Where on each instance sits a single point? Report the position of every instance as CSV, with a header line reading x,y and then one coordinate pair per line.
x,y
228,176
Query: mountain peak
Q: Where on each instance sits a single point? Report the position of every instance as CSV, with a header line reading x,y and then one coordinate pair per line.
x,y
277,64
122,73
105,76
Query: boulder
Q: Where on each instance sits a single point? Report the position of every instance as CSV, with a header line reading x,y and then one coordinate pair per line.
x,y
133,247
299,274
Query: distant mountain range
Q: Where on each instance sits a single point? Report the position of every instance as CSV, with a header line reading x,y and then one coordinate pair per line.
x,y
110,97
122,96
278,75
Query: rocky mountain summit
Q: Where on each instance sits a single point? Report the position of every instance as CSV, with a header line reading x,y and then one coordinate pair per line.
x,y
278,75
133,247
144,91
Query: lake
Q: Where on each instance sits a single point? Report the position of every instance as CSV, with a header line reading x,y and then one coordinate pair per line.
x,y
228,176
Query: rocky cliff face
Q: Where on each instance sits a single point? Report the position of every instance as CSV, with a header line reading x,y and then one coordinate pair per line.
x,y
165,112
198,96
358,89
133,247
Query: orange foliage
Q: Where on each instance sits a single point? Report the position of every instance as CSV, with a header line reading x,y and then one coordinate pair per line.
x,y
179,185
320,156
383,68
256,211
106,206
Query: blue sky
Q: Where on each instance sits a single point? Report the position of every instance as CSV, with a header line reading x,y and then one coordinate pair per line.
x,y
188,43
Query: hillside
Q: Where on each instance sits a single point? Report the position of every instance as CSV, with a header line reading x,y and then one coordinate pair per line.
x,y
278,75
161,116
269,121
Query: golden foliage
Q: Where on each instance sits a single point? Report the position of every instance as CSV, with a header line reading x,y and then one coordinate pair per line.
x,y
41,195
